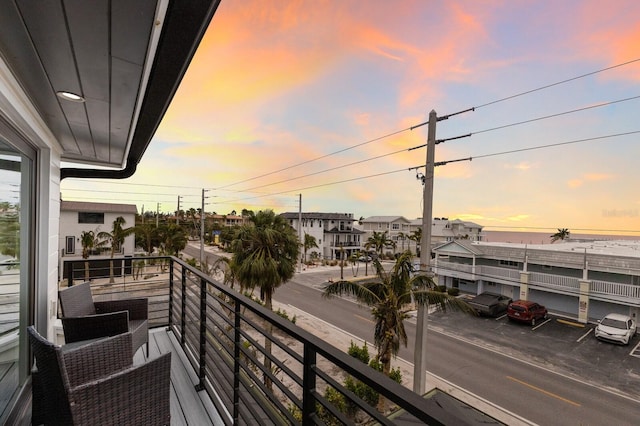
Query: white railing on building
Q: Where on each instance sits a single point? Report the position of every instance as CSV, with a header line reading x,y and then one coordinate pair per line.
x,y
512,275
616,289
571,284
555,281
447,267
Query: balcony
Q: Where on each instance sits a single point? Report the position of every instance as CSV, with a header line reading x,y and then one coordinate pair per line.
x,y
603,290
241,363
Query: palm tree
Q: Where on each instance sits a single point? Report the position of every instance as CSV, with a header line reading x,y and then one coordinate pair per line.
x,y
265,253
309,243
562,234
115,239
147,237
417,237
172,239
402,236
378,241
89,243
391,296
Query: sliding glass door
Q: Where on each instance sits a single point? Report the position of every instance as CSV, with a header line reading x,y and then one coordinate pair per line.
x,y
16,183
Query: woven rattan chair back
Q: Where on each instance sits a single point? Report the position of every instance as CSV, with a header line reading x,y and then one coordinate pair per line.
x,y
50,379
76,301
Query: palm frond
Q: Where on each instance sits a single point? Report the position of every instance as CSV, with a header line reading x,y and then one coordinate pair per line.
x,y
442,300
361,291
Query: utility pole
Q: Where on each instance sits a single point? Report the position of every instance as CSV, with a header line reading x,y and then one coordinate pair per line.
x,y
420,354
157,213
178,212
300,231
202,230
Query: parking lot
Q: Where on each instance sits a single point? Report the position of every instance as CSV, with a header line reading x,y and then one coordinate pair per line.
x,y
559,344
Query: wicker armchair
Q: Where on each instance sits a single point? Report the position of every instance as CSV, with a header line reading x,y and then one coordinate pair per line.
x,y
84,319
95,383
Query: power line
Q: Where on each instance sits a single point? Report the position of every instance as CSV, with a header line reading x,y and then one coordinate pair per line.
x,y
447,116
443,163
322,156
557,83
532,148
558,144
322,185
328,170
557,114
420,146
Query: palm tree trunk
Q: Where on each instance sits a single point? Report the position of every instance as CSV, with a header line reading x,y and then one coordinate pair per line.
x,y
86,270
386,370
111,275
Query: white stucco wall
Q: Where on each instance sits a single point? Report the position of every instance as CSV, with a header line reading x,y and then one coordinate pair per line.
x,y
69,226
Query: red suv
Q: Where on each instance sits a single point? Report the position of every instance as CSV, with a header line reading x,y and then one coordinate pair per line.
x,y
526,311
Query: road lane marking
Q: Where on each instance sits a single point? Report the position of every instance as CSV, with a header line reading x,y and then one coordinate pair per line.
x,y
363,318
568,401
499,318
634,349
585,335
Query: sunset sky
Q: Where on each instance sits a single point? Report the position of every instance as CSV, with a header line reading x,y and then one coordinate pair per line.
x,y
318,97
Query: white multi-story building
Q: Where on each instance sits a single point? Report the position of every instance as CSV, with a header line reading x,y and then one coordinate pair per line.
x,y
399,229
334,233
585,280
79,216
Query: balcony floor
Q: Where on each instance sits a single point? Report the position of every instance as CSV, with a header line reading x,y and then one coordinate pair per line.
x,y
188,407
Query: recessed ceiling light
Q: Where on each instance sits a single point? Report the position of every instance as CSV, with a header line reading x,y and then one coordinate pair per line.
x,y
68,96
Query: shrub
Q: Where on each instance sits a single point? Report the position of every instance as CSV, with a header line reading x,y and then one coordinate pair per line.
x,y
361,353
453,291
441,288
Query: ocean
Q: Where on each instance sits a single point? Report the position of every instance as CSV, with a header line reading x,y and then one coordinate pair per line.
x,y
544,237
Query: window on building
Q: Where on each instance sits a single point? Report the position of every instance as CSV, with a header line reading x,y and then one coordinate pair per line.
x,y
509,263
395,226
90,217
70,245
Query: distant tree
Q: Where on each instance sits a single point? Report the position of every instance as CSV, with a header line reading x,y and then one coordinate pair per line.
x,y
402,236
309,243
416,236
89,243
173,239
10,233
115,239
378,241
147,237
562,234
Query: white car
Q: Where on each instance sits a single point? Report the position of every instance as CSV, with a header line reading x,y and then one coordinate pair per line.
x,y
616,328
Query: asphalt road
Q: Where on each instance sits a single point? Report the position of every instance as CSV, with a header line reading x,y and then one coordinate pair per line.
x,y
535,393
531,391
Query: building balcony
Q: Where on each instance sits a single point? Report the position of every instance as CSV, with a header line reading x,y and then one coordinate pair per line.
x,y
236,362
602,290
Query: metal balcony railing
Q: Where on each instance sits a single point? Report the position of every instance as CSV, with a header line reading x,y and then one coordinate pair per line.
x,y
256,366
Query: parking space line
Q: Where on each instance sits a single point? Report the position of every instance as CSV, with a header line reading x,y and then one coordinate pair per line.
x,y
499,318
585,335
635,348
541,324
568,401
